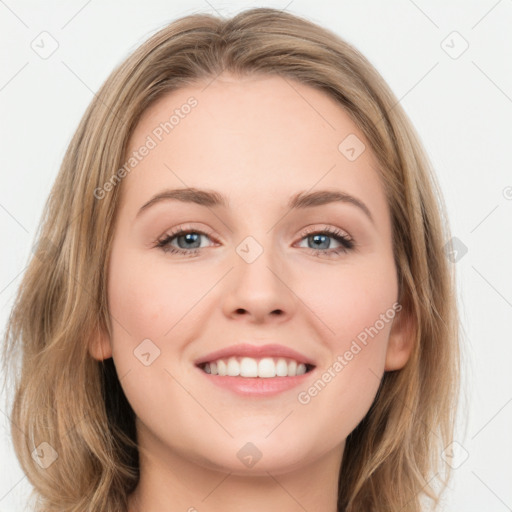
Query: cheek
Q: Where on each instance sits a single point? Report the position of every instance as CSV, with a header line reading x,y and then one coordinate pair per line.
x,y
348,381
146,302
356,306
351,301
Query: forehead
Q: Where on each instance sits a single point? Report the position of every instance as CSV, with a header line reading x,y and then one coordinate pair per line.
x,y
258,138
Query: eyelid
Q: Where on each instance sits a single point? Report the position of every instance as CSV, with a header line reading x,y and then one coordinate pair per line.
x,y
342,237
346,241
308,230
185,228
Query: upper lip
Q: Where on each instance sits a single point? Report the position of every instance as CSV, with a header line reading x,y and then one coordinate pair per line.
x,y
255,351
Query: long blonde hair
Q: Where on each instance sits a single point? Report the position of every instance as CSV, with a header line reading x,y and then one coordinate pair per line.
x,y
64,397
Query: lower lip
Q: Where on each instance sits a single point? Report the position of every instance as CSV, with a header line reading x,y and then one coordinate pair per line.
x,y
257,386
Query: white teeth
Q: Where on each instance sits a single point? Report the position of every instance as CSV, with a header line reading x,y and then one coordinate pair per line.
x,y
222,367
248,367
265,368
233,367
282,368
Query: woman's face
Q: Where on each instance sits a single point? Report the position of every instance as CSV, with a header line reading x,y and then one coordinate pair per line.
x,y
256,267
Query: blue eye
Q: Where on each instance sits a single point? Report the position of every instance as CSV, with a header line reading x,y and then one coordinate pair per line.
x,y
189,242
320,238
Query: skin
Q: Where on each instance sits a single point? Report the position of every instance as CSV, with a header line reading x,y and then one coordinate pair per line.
x,y
258,141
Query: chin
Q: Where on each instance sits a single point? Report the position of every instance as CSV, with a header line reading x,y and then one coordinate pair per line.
x,y
256,458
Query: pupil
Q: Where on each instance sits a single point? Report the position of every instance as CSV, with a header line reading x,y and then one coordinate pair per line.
x,y
317,237
189,237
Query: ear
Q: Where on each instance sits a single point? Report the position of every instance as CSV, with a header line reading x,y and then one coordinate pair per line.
x,y
100,347
401,340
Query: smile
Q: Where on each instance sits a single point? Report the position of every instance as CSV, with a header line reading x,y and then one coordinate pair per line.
x,y
248,367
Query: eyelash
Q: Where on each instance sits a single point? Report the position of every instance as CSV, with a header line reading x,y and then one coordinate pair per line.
x,y
347,243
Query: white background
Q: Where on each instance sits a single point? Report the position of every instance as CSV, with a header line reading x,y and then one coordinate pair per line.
x,y
461,107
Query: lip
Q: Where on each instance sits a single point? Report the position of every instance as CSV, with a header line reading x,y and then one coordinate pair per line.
x,y
257,386
257,352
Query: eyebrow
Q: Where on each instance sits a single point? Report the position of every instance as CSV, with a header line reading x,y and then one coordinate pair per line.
x,y
212,199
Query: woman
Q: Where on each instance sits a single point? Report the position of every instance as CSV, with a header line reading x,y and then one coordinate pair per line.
x,y
302,352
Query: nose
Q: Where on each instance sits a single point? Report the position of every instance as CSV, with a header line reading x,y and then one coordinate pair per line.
x,y
260,291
